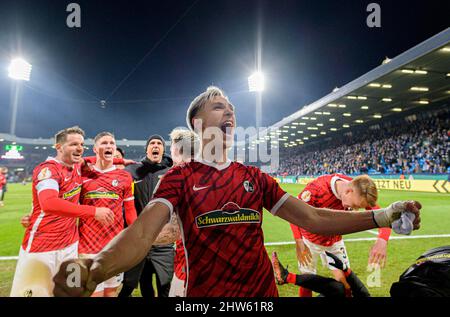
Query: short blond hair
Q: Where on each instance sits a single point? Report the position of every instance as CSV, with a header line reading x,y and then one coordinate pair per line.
x,y
366,188
61,136
185,139
199,101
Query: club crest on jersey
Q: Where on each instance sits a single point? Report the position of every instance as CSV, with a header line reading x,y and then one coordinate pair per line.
x,y
248,187
115,183
306,196
45,173
229,214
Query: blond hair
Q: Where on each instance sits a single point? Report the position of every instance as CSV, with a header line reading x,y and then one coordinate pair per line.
x,y
199,101
366,188
61,136
185,139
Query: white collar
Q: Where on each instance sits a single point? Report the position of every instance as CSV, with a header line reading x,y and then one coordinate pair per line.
x,y
218,167
112,168
334,179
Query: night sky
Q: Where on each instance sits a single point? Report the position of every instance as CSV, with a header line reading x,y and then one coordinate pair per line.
x,y
308,48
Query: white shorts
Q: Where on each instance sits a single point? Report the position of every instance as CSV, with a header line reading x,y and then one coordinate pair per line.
x,y
35,271
113,282
338,249
176,287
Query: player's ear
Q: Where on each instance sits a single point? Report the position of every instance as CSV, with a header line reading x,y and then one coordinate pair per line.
x,y
94,148
58,146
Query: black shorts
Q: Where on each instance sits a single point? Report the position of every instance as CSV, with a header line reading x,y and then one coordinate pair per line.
x,y
161,257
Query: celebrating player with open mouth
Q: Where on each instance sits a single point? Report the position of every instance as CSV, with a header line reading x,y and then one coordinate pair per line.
x,y
51,236
219,204
111,187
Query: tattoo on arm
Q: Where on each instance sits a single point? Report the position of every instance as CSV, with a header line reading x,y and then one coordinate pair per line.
x,y
170,232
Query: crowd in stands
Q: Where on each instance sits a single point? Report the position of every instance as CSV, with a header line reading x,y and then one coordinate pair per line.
x,y
408,145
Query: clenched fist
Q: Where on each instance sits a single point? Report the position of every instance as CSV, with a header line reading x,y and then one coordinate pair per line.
x,y
76,278
386,216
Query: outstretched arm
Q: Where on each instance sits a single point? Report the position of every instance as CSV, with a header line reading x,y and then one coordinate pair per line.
x,y
170,233
121,254
329,222
131,245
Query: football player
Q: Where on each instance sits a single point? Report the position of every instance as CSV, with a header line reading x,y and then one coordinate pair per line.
x,y
105,185
51,235
219,205
338,192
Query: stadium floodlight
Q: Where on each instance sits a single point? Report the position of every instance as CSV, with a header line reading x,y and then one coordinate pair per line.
x,y
419,88
19,69
256,82
397,109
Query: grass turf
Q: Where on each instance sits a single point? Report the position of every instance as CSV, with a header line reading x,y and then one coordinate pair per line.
x,y
401,253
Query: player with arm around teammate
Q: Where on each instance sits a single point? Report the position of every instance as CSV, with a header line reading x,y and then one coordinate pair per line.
x,y
52,235
105,185
219,204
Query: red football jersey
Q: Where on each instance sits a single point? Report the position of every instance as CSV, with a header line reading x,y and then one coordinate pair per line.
x,y
321,193
2,181
220,209
180,261
50,232
108,188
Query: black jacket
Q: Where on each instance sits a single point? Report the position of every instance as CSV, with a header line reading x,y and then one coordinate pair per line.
x,y
146,175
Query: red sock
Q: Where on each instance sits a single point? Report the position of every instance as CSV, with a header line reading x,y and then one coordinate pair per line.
x,y
291,278
304,292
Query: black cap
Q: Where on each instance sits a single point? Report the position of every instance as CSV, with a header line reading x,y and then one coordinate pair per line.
x,y
155,137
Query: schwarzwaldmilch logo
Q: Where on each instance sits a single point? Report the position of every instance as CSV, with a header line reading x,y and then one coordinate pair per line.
x,y
230,214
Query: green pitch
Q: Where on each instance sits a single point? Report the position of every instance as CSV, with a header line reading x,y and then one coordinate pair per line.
x,y
401,253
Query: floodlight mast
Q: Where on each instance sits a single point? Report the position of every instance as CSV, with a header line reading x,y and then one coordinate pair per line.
x,y
256,83
18,70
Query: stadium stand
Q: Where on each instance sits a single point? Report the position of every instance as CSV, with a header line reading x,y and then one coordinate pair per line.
x,y
418,143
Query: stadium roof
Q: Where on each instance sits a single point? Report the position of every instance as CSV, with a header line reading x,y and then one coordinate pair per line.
x,y
410,81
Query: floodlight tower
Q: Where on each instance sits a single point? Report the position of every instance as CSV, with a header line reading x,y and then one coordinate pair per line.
x,y
256,83
19,70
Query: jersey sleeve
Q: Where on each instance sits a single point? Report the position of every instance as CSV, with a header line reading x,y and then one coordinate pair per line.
x,y
128,190
273,196
170,189
46,176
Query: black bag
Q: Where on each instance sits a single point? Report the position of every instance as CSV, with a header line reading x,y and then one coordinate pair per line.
x,y
428,277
